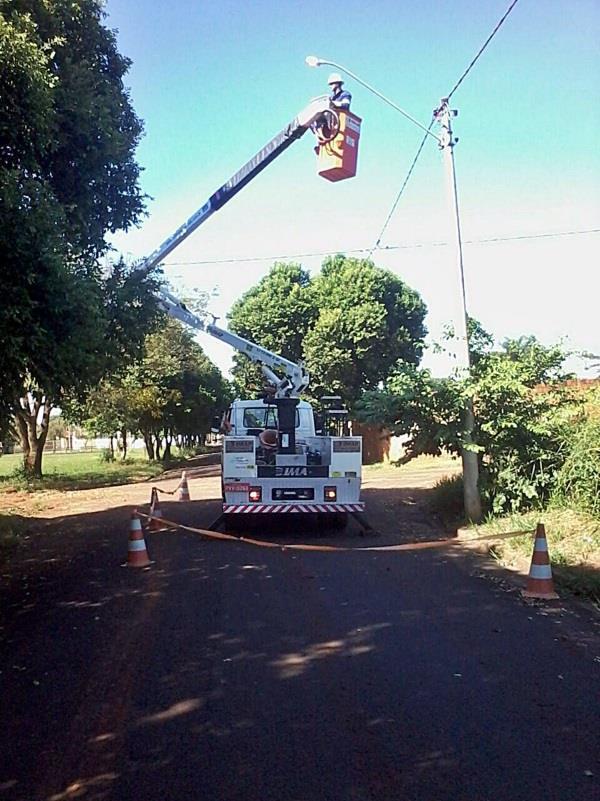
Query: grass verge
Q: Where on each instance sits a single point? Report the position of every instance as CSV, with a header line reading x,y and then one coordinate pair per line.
x,y
573,543
72,471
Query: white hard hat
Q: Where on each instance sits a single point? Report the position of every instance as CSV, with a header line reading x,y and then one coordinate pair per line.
x,y
335,77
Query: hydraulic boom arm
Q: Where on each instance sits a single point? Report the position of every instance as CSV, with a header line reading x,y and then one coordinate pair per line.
x,y
296,128
295,378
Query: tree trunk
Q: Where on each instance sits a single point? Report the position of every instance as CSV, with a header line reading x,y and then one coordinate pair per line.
x,y
168,440
112,446
23,436
157,445
149,444
33,437
124,438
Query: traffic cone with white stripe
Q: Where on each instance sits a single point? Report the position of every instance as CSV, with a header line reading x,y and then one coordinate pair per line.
x,y
539,581
184,490
137,554
155,522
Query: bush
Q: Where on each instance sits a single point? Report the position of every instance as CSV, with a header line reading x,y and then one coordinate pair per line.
x,y
578,482
107,455
189,451
522,402
446,499
19,475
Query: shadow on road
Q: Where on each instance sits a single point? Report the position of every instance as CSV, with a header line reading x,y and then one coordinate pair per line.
x,y
234,672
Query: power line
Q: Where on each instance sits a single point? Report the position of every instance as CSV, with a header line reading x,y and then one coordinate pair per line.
x,y
550,235
456,85
408,246
483,47
402,188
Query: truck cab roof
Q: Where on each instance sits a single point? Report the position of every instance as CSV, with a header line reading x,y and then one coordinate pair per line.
x,y
257,402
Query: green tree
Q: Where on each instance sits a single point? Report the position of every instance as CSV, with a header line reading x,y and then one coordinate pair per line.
x,y
368,321
107,411
31,240
351,324
277,314
88,134
191,389
67,177
171,393
93,329
522,406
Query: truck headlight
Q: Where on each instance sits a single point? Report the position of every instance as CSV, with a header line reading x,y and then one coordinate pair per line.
x,y
255,493
330,493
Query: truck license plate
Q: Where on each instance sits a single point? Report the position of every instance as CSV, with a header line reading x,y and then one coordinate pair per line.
x,y
237,487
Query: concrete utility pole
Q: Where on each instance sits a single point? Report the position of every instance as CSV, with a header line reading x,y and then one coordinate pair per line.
x,y
470,465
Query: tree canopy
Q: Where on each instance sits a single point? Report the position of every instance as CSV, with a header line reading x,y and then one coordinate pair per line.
x,y
277,314
368,320
351,324
170,393
68,177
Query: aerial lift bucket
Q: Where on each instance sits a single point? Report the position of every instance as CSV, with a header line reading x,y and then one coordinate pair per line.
x,y
338,157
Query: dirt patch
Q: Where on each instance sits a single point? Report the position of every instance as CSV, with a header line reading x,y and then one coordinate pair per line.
x,y
394,496
202,473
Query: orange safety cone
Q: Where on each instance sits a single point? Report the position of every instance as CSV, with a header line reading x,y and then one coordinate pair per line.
x,y
137,555
539,582
184,491
155,524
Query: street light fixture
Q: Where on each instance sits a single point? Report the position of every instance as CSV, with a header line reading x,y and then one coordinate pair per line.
x,y
315,61
446,143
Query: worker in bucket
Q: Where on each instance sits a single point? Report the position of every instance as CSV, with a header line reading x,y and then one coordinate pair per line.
x,y
326,125
339,97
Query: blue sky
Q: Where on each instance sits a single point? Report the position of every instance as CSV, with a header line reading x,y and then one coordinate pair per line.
x,y
214,81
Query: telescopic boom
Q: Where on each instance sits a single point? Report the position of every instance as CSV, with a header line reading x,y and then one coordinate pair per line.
x,y
295,378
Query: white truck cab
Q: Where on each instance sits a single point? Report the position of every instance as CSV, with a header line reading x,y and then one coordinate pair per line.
x,y
253,416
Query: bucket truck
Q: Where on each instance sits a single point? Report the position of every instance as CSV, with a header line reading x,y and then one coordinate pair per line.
x,y
274,461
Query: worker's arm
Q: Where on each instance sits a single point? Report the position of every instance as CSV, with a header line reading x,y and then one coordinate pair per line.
x,y
342,101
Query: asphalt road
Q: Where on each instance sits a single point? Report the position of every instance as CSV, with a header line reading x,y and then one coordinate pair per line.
x,y
232,672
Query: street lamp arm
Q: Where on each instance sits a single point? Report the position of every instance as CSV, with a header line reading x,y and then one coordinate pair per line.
x,y
313,61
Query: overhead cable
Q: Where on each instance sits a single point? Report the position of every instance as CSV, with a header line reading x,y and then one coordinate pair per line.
x,y
485,44
456,85
408,246
402,188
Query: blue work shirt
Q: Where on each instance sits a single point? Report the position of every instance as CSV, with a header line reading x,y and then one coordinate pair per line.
x,y
341,100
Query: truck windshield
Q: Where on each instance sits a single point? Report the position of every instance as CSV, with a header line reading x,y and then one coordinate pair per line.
x,y
263,417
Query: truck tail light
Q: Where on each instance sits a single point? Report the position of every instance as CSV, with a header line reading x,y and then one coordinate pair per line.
x,y
255,493
330,493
